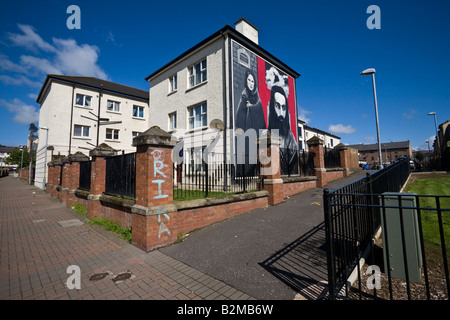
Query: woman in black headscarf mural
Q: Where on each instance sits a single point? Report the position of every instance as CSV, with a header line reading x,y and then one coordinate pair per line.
x,y
249,113
249,116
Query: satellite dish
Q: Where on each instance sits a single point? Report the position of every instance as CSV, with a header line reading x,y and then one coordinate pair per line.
x,y
217,124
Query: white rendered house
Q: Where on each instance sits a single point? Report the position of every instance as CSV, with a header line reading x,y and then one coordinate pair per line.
x,y
83,112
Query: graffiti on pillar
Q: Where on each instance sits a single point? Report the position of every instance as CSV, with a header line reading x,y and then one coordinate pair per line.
x,y
162,226
158,165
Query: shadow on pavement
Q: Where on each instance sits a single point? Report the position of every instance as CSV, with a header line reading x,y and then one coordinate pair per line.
x,y
302,264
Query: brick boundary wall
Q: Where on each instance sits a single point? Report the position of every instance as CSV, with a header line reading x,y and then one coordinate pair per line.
x,y
155,219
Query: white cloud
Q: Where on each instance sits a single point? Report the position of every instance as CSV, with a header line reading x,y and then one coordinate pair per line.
x,y
23,113
341,129
19,81
303,115
30,39
410,114
39,65
369,140
8,65
64,56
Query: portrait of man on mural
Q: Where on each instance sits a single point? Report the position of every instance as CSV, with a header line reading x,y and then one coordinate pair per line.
x,y
279,119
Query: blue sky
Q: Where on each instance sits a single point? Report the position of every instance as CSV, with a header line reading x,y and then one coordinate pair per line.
x,y
327,42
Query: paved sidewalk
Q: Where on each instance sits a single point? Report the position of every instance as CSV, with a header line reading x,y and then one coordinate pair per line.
x,y
41,238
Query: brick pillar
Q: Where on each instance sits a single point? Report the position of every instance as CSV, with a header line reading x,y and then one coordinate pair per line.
x,y
74,175
98,177
150,220
315,145
65,180
50,177
344,157
57,180
269,157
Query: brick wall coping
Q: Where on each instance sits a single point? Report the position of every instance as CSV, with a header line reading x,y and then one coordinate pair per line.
x,y
334,169
154,136
196,203
189,204
82,193
127,203
298,179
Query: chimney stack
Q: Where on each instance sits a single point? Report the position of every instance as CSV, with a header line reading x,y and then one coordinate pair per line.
x,y
247,29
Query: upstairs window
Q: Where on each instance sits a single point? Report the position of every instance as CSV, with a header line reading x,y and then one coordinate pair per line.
x,y
138,111
198,116
197,73
83,100
112,134
172,121
173,83
113,106
81,131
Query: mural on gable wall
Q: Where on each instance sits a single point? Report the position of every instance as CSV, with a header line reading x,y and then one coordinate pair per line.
x,y
263,99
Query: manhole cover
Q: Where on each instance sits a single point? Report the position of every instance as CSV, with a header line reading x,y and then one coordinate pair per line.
x,y
98,276
123,276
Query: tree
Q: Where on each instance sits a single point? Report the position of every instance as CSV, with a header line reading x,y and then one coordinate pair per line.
x,y
419,156
16,155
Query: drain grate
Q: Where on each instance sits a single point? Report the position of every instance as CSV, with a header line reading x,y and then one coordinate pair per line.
x,y
99,276
123,276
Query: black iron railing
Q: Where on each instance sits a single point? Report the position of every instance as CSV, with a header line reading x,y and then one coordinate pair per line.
x,y
352,217
85,175
306,163
121,175
332,157
196,178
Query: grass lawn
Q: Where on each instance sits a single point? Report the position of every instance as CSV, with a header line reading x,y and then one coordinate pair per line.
x,y
430,226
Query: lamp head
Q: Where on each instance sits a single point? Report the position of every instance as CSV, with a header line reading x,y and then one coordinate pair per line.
x,y
431,113
368,71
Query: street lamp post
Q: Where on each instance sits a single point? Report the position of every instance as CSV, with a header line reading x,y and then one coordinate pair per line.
x,y
437,138
21,147
45,158
372,72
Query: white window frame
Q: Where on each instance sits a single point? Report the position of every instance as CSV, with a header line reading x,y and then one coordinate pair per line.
x,y
172,121
84,103
115,106
83,129
113,134
173,83
192,116
138,109
197,73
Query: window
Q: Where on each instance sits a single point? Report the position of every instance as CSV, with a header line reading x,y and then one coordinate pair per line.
x,y
196,163
331,142
138,111
197,116
172,121
112,134
300,145
173,83
83,100
197,73
113,106
80,131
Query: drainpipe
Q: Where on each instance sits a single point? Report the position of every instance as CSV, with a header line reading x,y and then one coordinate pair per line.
x,y
71,120
224,95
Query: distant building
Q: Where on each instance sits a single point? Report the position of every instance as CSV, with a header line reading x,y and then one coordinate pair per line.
x,y
4,154
389,152
70,107
444,139
306,132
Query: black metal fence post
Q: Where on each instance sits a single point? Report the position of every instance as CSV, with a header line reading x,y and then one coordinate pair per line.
x,y
329,243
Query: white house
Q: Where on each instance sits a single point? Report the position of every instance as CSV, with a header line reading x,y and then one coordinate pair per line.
x,y
206,85
83,112
306,132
